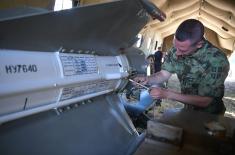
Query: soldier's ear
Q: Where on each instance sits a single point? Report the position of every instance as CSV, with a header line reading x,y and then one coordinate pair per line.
x,y
199,44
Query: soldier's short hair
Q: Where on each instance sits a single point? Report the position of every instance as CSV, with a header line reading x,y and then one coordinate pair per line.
x,y
190,29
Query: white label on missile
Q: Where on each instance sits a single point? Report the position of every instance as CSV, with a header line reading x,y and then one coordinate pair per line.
x,y
78,64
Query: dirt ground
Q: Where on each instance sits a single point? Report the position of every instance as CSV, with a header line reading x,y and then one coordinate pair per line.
x,y
229,97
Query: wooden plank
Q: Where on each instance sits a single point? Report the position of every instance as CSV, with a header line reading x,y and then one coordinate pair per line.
x,y
164,133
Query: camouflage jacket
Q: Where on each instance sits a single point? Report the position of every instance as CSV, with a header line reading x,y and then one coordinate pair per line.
x,y
203,73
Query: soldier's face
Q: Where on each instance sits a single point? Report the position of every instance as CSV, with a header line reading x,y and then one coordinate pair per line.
x,y
184,48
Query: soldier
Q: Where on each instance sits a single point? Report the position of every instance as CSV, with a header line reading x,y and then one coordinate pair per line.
x,y
158,60
200,67
151,64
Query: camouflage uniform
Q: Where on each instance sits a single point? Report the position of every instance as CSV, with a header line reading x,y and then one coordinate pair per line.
x,y
202,73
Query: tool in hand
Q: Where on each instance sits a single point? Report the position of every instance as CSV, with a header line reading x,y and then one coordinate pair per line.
x,y
143,86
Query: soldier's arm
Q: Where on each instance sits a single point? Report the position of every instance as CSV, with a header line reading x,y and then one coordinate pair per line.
x,y
212,83
201,101
155,78
158,77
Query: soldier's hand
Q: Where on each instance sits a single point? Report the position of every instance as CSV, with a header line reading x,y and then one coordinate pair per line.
x,y
158,93
141,79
